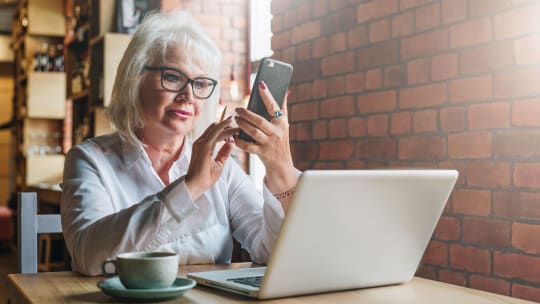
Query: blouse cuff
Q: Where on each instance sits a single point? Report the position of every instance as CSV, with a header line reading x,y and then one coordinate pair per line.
x,y
177,200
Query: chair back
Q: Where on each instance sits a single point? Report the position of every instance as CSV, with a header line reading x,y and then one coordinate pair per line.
x,y
30,224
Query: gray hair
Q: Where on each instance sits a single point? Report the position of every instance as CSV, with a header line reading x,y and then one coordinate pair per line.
x,y
158,32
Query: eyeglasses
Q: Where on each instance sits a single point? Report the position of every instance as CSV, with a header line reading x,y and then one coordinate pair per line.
x,y
174,80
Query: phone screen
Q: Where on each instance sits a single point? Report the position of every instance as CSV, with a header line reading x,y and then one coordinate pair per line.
x,y
277,76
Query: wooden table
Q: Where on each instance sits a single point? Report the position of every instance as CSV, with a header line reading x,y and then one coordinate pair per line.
x,y
69,287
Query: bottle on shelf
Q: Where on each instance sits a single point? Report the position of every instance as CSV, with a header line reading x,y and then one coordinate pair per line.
x,y
59,58
51,54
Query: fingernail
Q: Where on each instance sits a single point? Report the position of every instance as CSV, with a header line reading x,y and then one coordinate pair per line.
x,y
262,85
239,110
288,93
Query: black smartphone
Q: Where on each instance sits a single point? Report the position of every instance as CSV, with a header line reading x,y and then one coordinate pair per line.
x,y
277,76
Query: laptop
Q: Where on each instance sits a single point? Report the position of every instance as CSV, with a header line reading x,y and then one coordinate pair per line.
x,y
346,229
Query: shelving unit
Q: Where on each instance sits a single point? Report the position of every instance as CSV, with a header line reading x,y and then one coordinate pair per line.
x,y
39,96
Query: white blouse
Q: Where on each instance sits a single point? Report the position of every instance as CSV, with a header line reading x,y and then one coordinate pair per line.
x,y
113,201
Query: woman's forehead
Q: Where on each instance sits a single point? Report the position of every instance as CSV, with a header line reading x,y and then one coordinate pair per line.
x,y
181,57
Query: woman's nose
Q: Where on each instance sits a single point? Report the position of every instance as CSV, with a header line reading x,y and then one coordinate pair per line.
x,y
186,94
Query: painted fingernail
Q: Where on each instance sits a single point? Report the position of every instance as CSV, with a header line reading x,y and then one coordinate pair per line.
x,y
262,85
239,110
288,93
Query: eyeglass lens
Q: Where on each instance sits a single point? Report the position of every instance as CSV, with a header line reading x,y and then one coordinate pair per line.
x,y
175,81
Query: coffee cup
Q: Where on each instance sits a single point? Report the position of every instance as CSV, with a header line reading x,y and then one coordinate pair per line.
x,y
144,270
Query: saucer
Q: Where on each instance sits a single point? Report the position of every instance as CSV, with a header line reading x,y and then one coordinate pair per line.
x,y
114,288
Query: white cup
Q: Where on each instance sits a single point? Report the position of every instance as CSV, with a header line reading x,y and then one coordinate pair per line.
x,y
144,270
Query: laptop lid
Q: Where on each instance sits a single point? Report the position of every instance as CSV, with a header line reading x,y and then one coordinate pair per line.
x,y
348,229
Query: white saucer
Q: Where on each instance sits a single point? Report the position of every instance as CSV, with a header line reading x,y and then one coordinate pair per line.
x,y
114,288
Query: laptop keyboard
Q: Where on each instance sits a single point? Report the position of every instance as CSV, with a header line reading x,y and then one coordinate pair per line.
x,y
251,281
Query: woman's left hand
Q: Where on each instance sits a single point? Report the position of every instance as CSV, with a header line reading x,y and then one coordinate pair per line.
x,y
271,141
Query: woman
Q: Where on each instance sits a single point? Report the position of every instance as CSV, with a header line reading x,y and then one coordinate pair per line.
x,y
147,187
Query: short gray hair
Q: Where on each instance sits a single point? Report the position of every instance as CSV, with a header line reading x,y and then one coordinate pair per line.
x,y
158,32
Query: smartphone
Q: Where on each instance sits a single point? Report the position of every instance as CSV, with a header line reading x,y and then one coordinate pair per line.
x,y
277,76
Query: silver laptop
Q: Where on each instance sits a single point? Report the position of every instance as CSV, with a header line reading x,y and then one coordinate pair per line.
x,y
346,229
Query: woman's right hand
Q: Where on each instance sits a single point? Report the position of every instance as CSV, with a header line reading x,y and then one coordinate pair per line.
x,y
204,170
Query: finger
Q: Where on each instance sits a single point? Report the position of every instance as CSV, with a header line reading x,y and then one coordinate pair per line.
x,y
284,107
253,119
247,146
212,133
268,100
253,130
224,153
227,133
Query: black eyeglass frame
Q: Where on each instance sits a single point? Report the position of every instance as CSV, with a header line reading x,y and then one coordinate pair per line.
x,y
189,80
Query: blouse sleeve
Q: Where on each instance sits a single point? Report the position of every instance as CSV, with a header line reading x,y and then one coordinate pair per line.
x,y
96,228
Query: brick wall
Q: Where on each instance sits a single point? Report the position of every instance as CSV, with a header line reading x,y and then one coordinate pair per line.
x,y
436,84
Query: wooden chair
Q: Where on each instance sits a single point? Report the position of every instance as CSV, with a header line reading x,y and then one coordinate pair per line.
x,y
30,224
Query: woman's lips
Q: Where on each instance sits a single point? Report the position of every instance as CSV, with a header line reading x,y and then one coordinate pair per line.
x,y
182,114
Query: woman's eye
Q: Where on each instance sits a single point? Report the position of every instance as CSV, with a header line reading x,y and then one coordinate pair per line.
x,y
172,77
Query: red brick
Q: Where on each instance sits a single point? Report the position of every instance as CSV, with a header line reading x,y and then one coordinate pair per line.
x,y
400,123
382,53
356,165
517,22
339,63
379,30
319,88
394,76
338,4
357,126
338,43
512,265
526,292
426,272
423,96
281,40
306,71
486,232
407,4
303,131
303,92
289,19
306,111
526,237
471,202
470,259
306,31
423,148
527,175
307,151
526,50
319,47
336,86
516,205
489,174
425,121
517,144
489,115
453,277
452,119
339,106
424,44
487,58
526,113
320,8
418,71
338,21
376,9
453,10
403,24
357,37
289,54
303,13
448,229
336,150
471,89
376,149
373,79
517,83
384,101
428,17
354,82
337,128
303,51
320,129
489,7
489,284
377,125
436,254
470,33
444,66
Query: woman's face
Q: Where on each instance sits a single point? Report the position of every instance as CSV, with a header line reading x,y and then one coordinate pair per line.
x,y
167,113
